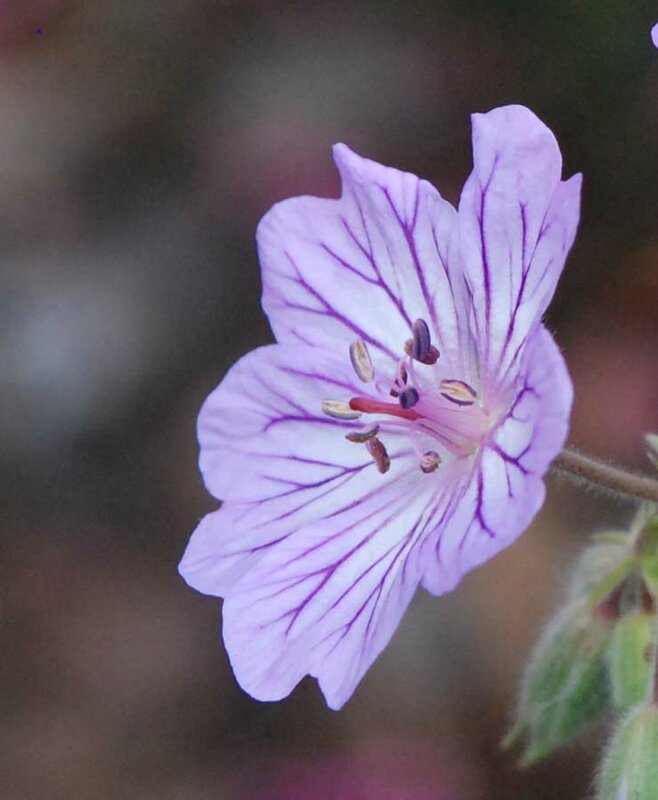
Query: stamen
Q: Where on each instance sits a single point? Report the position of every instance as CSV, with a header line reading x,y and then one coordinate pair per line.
x,y
379,455
420,347
363,436
432,356
458,392
421,340
360,358
339,410
408,397
430,461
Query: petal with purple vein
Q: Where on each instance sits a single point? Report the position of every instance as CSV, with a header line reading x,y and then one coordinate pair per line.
x,y
364,266
326,600
506,488
517,223
262,431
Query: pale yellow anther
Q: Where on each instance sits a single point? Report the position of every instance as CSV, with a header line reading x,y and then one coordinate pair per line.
x,y
339,410
458,392
360,358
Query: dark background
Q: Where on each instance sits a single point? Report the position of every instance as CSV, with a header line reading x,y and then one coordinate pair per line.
x,y
140,142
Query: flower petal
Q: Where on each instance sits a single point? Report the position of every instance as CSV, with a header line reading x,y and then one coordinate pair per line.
x,y
506,488
517,223
366,265
326,600
267,448
262,432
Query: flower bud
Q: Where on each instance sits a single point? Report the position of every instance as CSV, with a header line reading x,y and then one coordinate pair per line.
x,y
630,767
630,656
565,687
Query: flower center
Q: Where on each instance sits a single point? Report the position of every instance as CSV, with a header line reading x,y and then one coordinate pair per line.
x,y
442,414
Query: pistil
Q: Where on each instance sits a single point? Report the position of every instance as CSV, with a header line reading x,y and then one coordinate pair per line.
x,y
366,405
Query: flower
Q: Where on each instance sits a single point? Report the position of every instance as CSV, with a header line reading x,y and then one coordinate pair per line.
x,y
654,35
398,432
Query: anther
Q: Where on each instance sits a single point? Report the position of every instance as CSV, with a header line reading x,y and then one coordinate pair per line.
x,y
379,455
339,410
421,340
360,358
420,347
432,356
363,436
430,461
458,392
408,397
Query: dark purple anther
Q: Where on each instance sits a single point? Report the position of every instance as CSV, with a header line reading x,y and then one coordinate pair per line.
x,y
421,341
408,397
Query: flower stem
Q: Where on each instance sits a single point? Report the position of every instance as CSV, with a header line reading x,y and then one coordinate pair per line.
x,y
606,476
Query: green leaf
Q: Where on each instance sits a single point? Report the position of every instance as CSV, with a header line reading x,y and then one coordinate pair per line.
x,y
630,657
604,587
644,529
646,541
565,686
601,567
630,767
650,574
619,538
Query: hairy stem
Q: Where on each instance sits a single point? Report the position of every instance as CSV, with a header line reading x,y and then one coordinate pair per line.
x,y
605,476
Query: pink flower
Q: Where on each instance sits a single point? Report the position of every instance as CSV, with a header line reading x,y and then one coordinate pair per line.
x,y
398,432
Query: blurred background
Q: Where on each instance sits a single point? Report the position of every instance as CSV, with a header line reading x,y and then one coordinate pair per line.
x,y
140,143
